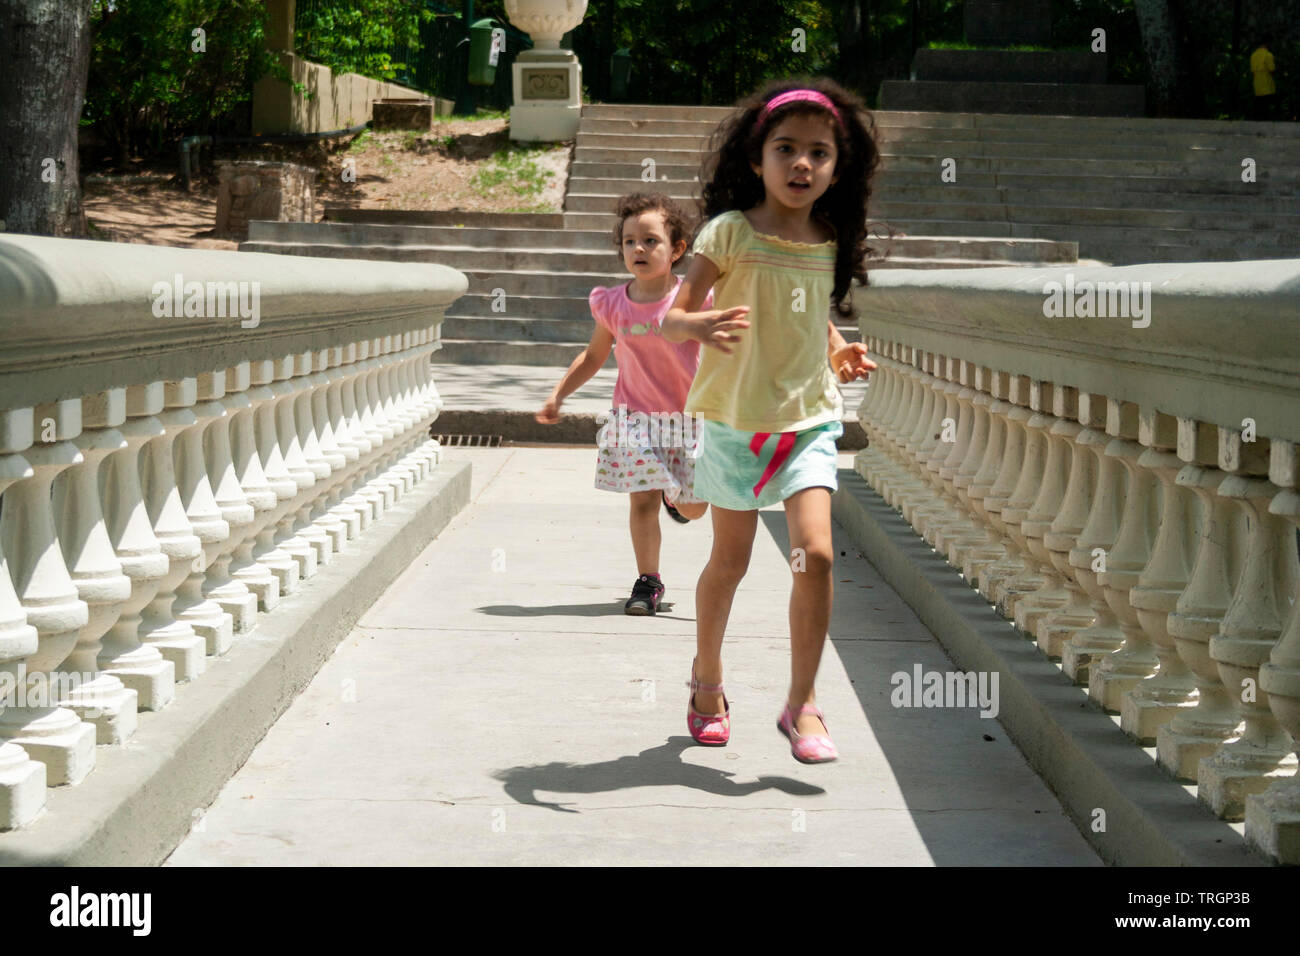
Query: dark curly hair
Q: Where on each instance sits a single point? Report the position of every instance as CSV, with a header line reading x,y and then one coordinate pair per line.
x,y
675,219
729,182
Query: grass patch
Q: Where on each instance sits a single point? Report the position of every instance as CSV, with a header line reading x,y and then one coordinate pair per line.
x,y
514,171
1018,48
361,142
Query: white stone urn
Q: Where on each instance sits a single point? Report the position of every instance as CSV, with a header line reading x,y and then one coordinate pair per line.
x,y
546,21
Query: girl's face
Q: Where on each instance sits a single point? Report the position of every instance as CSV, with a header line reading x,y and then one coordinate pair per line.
x,y
648,252
799,157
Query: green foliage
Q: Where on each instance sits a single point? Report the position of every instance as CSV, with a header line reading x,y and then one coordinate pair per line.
x,y
358,36
147,85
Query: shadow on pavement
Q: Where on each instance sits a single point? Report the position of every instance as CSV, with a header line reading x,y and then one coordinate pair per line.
x,y
656,767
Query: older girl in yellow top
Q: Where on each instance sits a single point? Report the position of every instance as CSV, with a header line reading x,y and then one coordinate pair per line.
x,y
786,188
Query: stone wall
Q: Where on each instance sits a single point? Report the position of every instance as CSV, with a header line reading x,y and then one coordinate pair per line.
x,y
281,192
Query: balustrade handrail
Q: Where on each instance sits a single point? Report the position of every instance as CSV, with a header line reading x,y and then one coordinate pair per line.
x,y
1221,346
77,316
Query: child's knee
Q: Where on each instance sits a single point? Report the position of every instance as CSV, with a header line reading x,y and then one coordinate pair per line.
x,y
814,561
694,512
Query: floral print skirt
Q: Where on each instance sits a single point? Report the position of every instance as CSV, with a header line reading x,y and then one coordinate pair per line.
x,y
637,453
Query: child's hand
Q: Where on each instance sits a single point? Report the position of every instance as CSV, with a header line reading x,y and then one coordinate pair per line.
x,y
714,328
550,413
851,362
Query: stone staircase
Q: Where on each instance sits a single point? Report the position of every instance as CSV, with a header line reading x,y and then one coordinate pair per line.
x,y
1029,190
1128,190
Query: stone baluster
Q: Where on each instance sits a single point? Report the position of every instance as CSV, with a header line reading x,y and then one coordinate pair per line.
x,y
1058,625
1029,577
176,638
293,416
22,780
325,449
958,524
246,467
883,461
1091,555
287,567
937,512
354,516
391,481
381,495
1273,816
1157,698
366,505
209,620
54,735
1248,633
896,427
1135,659
1000,496
1031,607
872,414
137,665
97,698
271,443
974,534
1197,732
221,587
975,562
914,495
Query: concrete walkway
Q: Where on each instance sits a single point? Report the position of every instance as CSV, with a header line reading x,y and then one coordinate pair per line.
x,y
497,707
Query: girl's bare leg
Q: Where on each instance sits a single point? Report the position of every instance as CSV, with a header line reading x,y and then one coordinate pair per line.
x,y
808,516
643,520
693,512
733,540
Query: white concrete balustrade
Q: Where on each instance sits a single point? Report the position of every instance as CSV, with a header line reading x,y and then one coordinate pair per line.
x,y
165,482
1125,493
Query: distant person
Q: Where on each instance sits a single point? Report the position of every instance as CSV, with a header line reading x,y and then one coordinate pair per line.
x,y
786,189
643,452
1261,68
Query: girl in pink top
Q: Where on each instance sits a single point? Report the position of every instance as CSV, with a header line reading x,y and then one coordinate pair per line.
x,y
645,447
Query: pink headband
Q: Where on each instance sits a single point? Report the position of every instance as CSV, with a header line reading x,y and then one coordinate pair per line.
x,y
791,96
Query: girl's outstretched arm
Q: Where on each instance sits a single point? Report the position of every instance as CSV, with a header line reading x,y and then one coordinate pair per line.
x,y
588,363
711,328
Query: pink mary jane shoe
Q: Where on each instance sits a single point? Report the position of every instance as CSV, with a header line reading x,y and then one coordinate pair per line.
x,y
808,748
710,730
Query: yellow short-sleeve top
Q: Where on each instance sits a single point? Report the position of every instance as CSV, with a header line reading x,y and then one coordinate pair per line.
x,y
777,377
1261,67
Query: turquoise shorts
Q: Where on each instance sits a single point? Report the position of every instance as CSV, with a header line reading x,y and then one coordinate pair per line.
x,y
742,471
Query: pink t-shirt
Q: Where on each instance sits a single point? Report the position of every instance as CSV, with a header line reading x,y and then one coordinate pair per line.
x,y
654,375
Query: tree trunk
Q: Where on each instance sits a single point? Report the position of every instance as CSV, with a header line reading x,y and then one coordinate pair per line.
x,y
45,47
1159,26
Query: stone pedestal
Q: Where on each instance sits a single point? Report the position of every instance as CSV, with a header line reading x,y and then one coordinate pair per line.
x,y
547,96
280,192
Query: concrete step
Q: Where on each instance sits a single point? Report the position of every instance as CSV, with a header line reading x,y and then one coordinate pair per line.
x,y
653,144
1081,124
474,352
539,255
476,304
1267,222
1124,246
1175,193
453,217
552,239
965,120
637,111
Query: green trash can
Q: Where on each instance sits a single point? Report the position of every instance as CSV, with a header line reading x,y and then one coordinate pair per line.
x,y
487,42
620,73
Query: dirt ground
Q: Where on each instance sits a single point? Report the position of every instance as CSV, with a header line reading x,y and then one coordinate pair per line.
x,y
392,170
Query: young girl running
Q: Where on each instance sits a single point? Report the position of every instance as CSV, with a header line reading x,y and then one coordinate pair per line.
x,y
653,459
785,193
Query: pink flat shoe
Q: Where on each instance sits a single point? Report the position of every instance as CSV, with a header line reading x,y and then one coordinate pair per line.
x,y
807,748
706,729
